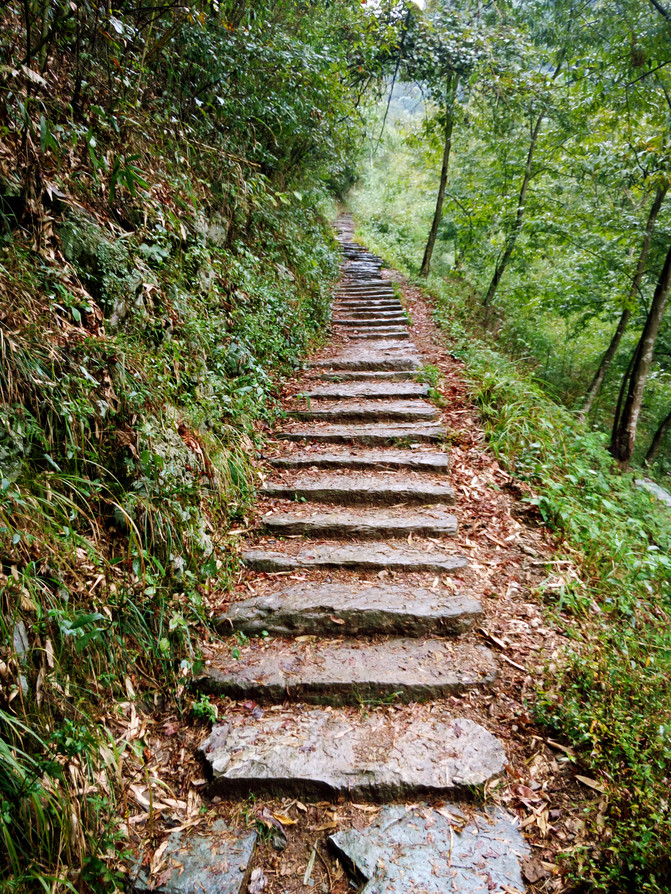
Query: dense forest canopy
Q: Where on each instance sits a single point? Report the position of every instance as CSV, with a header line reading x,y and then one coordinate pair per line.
x,y
168,175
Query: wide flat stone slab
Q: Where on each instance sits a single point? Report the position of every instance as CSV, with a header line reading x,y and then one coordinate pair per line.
x,y
351,490
212,861
370,411
369,524
378,757
371,434
337,608
342,672
371,321
372,308
373,356
355,556
348,375
397,334
373,390
365,289
412,460
435,851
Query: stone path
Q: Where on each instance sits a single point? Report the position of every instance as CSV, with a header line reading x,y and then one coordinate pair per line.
x,y
363,472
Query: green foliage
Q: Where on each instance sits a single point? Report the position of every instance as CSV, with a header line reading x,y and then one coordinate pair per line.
x,y
165,180
204,710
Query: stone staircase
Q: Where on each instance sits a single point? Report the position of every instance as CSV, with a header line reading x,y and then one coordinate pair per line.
x,y
362,512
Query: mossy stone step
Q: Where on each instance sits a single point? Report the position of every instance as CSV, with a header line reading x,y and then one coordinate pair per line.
x,y
356,557
319,752
340,672
381,489
353,609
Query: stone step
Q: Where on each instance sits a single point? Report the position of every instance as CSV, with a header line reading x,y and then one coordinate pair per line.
x,y
372,435
390,304
373,390
378,357
348,375
352,287
373,756
381,489
355,556
354,610
341,672
372,322
372,303
395,334
415,460
433,851
217,860
366,525
369,411
359,315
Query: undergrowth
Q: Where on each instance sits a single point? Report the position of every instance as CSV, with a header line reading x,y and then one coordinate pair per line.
x,y
610,697
126,452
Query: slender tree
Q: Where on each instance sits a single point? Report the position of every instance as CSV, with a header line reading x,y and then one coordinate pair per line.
x,y
657,439
600,374
623,438
520,210
450,103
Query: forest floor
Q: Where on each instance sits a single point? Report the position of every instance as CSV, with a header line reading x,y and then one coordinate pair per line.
x,y
511,557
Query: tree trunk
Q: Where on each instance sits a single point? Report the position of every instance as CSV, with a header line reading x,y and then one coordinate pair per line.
x,y
449,125
502,263
623,438
656,443
600,374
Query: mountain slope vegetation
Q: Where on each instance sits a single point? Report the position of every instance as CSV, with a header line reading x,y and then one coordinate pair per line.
x,y
166,178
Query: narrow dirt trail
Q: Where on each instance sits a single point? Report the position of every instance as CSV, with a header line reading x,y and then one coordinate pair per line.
x,y
384,640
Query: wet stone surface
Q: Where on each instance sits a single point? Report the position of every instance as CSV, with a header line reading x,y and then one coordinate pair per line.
x,y
340,608
342,673
214,862
435,852
318,752
357,556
